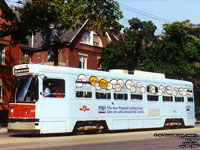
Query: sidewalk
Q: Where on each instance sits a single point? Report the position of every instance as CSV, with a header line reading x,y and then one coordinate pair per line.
x,y
3,130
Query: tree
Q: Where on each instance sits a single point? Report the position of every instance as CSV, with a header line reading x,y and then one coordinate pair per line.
x,y
37,16
128,51
179,51
176,53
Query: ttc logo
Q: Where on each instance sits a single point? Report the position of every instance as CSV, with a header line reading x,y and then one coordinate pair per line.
x,y
84,108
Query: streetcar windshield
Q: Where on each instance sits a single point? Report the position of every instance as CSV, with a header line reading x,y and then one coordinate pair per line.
x,y
25,90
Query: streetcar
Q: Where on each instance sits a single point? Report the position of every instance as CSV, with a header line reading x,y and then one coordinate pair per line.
x,y
81,100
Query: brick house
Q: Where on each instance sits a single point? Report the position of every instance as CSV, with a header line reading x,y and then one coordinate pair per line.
x,y
81,49
10,55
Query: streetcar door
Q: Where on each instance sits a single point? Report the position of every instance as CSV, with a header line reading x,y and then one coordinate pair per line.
x,y
53,106
190,107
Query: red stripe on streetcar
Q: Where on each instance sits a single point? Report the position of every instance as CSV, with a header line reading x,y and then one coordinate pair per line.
x,y
22,111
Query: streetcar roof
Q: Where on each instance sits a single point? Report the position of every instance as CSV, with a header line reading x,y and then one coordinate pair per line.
x,y
27,69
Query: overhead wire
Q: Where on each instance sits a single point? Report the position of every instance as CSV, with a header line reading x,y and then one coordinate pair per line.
x,y
131,9
124,7
142,13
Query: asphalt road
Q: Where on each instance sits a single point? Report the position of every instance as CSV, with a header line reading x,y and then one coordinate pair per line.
x,y
171,139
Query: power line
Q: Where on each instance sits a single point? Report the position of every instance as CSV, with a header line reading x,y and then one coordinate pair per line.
x,y
124,22
134,10
148,15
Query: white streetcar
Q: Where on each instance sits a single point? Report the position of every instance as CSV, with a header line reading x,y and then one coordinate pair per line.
x,y
49,99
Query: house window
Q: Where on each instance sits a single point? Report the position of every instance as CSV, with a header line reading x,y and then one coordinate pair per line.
x,y
91,38
1,89
83,62
86,38
97,40
99,62
2,54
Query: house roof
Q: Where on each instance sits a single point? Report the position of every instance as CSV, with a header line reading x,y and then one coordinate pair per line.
x,y
35,43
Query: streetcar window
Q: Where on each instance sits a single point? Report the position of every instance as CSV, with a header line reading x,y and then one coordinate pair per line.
x,y
190,99
103,95
189,90
83,94
120,96
152,98
136,97
179,99
167,98
54,88
25,90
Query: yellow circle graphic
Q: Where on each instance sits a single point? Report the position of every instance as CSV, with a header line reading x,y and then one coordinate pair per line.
x,y
93,80
103,84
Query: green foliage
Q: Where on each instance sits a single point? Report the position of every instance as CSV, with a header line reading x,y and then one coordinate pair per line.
x,y
10,21
7,13
38,15
176,53
113,56
128,51
179,49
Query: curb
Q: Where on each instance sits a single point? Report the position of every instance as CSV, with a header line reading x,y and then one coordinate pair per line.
x,y
3,130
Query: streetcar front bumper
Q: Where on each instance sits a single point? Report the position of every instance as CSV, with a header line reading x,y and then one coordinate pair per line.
x,y
23,126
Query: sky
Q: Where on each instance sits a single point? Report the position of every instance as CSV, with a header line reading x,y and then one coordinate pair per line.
x,y
160,11
157,11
